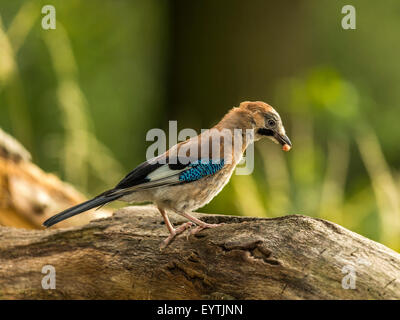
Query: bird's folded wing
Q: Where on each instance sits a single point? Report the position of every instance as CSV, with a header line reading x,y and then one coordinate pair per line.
x,y
155,173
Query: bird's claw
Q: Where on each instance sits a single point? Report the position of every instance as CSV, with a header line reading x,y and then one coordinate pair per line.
x,y
185,226
176,232
202,227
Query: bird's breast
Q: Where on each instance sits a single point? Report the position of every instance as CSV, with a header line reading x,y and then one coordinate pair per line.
x,y
193,195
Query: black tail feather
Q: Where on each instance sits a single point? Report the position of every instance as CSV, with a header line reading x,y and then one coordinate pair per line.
x,y
82,207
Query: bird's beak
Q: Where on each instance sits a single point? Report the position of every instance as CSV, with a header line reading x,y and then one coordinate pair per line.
x,y
284,140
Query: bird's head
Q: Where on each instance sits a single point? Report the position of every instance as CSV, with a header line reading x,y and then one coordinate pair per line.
x,y
266,122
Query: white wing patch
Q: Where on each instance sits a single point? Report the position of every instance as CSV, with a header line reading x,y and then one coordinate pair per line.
x,y
163,172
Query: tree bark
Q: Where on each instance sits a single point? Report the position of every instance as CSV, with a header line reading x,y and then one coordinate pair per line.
x,y
291,257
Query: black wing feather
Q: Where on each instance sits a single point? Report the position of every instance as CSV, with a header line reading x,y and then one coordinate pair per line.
x,y
138,175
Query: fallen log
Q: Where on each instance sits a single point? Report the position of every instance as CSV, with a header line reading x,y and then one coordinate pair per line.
x,y
291,257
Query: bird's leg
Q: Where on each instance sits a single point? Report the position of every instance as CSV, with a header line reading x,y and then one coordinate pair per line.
x,y
201,225
173,232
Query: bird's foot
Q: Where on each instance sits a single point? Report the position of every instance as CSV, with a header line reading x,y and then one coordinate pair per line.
x,y
176,232
204,226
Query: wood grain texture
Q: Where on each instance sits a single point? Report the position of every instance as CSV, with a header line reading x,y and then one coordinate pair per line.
x,y
291,257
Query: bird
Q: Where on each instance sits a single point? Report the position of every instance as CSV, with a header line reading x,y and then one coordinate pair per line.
x,y
191,173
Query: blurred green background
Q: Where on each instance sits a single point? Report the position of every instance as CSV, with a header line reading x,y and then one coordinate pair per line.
x,y
81,98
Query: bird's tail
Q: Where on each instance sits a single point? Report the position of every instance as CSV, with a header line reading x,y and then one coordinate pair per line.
x,y
102,199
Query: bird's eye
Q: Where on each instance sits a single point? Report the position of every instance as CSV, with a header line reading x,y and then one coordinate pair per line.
x,y
271,123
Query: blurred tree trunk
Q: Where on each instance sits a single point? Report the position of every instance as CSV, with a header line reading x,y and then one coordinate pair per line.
x,y
28,196
227,51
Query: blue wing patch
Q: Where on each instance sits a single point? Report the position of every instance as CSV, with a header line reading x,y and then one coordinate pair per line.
x,y
200,170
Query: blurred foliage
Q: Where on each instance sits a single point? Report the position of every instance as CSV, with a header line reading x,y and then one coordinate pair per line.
x,y
82,97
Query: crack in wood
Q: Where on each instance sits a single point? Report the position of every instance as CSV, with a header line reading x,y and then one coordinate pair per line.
x,y
254,250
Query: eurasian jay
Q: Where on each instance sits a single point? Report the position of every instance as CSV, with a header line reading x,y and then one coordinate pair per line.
x,y
193,172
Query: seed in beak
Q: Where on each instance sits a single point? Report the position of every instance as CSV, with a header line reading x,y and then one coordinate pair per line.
x,y
286,147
